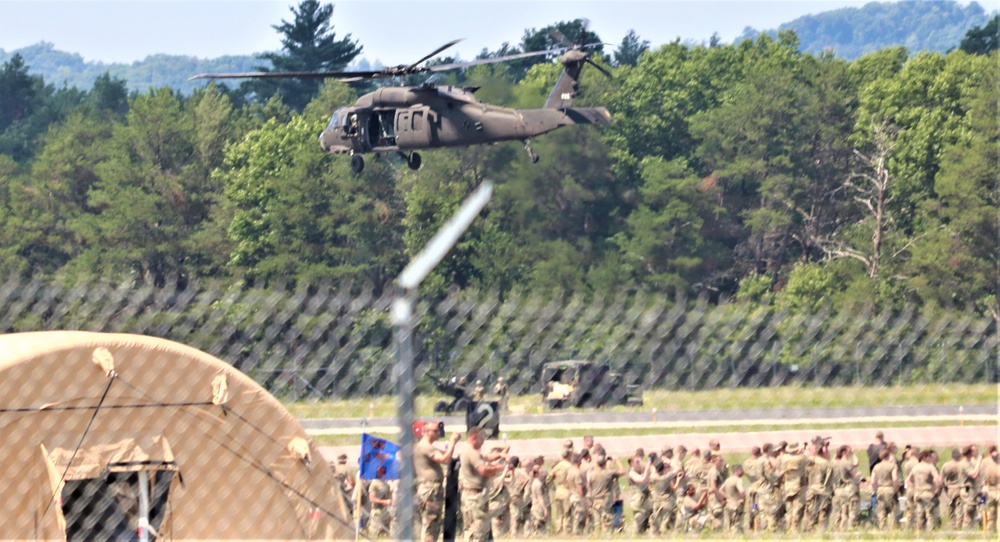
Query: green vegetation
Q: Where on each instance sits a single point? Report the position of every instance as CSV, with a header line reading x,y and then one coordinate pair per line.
x,y
755,215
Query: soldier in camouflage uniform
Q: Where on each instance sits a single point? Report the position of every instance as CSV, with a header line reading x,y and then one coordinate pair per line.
x,y
601,483
578,507
990,474
428,470
821,480
473,480
793,492
519,488
753,469
846,492
499,497
951,498
380,498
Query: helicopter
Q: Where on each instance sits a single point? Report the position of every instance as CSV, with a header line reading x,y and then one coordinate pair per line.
x,y
407,119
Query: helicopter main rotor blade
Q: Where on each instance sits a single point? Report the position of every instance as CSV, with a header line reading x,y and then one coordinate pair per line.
x,y
432,55
599,68
480,61
284,75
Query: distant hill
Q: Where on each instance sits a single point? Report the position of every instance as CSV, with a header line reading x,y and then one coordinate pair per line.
x,y
919,25
849,32
61,68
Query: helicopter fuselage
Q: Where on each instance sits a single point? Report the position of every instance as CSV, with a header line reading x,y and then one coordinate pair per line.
x,y
401,119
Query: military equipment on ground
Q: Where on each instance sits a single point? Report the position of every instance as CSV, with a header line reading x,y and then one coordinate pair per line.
x,y
460,398
403,120
584,384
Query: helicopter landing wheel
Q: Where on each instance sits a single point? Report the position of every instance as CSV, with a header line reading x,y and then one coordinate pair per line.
x,y
414,161
357,163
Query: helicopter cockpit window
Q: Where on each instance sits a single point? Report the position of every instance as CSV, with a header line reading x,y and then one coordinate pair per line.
x,y
334,122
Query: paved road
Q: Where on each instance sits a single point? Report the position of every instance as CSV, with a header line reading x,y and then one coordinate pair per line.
x,y
687,418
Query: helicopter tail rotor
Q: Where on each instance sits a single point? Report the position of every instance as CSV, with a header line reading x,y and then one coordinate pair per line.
x,y
575,57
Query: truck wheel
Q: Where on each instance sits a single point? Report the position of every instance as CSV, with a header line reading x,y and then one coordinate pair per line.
x,y
441,406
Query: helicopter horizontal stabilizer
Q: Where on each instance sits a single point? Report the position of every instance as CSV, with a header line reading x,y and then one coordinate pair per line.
x,y
589,115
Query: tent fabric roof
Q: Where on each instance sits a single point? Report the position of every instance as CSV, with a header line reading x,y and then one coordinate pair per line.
x,y
65,407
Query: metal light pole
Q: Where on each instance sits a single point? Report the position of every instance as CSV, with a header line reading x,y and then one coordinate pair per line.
x,y
403,323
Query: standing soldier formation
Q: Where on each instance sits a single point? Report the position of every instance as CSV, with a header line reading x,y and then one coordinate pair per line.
x,y
790,487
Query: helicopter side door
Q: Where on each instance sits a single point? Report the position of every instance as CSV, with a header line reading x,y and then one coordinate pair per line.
x,y
414,127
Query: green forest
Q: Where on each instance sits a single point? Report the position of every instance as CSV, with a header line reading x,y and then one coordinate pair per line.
x,y
752,171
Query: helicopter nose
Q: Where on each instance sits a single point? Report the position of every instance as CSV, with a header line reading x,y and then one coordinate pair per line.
x,y
325,140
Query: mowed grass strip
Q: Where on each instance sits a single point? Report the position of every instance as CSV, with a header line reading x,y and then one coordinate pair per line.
x,y
666,401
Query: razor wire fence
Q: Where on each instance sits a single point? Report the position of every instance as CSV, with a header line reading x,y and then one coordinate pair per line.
x,y
318,342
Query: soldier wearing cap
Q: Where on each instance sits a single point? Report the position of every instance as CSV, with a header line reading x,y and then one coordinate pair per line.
x,y
821,481
793,469
478,391
345,480
429,474
473,479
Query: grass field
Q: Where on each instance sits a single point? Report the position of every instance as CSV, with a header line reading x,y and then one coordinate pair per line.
x,y
723,399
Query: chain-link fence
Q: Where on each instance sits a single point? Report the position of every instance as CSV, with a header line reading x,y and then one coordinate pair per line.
x,y
333,344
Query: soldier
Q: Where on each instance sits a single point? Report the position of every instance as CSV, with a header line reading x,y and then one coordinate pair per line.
x,y
473,477
499,498
821,481
924,483
556,480
910,460
885,482
642,505
793,469
847,492
601,482
875,450
772,504
663,484
753,468
380,498
429,475
519,488
732,489
952,494
968,474
345,481
478,391
991,488
539,501
502,392
713,480
693,510
578,506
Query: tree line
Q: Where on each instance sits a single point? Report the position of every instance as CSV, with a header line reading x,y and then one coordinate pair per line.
x,y
752,171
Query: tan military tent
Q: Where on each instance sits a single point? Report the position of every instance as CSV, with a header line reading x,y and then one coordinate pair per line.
x,y
127,432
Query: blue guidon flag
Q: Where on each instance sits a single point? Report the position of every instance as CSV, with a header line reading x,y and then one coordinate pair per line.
x,y
378,459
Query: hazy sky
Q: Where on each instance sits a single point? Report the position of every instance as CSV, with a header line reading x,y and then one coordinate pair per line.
x,y
392,31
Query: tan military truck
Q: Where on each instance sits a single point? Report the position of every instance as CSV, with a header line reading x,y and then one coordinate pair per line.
x,y
584,384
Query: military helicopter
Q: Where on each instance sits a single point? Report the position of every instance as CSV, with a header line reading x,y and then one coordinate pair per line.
x,y
406,119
